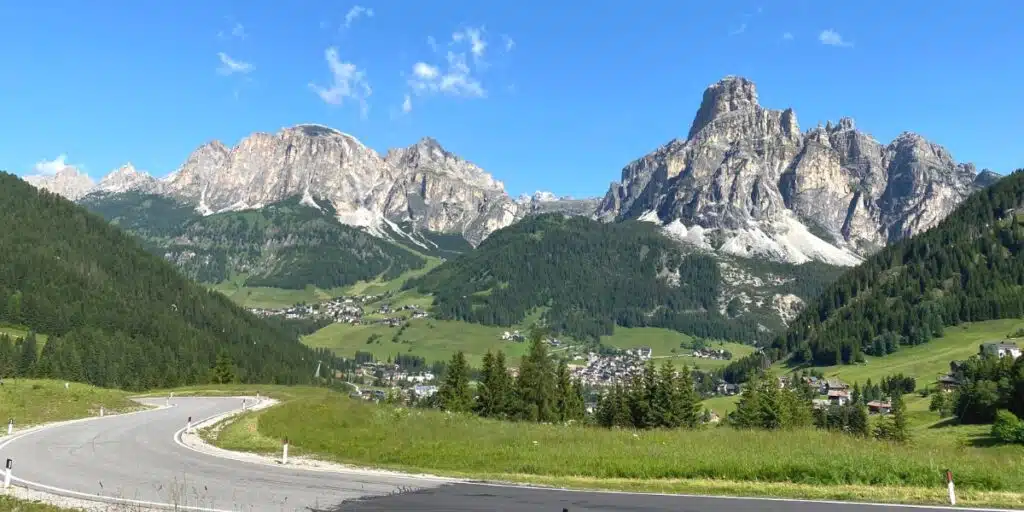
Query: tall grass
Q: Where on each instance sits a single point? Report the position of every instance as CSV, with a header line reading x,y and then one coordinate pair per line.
x,y
34,401
350,431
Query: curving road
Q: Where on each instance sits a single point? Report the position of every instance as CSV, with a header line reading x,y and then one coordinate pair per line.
x,y
135,457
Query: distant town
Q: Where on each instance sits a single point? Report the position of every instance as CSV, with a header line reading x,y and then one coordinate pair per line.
x,y
350,310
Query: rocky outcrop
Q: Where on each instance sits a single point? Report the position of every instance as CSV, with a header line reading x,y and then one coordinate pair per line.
x,y
125,178
421,187
746,181
68,182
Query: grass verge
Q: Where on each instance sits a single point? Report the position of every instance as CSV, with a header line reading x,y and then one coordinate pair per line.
x,y
9,504
806,464
34,401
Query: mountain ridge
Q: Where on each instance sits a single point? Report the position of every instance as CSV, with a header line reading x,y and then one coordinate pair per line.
x,y
745,173
745,182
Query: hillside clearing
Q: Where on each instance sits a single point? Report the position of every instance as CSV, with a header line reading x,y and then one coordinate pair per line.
x,y
927,361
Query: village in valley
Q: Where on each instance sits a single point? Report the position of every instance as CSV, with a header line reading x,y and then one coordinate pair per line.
x,y
596,370
349,310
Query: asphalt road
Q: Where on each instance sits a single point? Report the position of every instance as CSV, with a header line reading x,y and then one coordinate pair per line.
x,y
135,457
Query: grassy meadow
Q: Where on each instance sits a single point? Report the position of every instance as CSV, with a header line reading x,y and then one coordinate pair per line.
x,y
273,298
35,401
928,361
719,460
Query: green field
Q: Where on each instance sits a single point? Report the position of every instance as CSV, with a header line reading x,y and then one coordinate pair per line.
x,y
433,340
274,298
928,361
17,331
35,401
666,343
800,463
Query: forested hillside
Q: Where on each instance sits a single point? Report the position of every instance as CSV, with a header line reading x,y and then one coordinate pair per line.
x,y
283,245
116,315
588,277
966,269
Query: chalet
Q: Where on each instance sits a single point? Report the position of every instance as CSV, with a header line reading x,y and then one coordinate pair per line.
x,y
1001,349
947,382
838,396
837,385
728,389
879,407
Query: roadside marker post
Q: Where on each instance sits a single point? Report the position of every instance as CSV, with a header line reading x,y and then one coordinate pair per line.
x,y
7,474
188,425
101,411
284,451
10,427
952,491
243,404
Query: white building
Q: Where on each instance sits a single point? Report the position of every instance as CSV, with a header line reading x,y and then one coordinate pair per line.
x,y
1001,349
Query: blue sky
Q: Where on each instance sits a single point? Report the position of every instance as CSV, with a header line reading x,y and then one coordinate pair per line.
x,y
559,97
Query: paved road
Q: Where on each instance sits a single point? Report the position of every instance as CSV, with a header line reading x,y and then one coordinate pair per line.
x,y
135,457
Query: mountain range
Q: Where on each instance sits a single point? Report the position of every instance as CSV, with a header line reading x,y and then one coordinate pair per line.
x,y
745,185
745,181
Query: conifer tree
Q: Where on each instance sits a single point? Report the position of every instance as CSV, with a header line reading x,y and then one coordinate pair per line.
x,y
453,393
688,400
535,386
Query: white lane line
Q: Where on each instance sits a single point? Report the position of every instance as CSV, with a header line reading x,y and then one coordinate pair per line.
x,y
99,498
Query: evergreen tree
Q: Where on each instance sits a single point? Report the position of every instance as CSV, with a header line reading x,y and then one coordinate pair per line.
x,y
687,402
858,423
569,393
29,356
485,398
535,386
224,370
453,393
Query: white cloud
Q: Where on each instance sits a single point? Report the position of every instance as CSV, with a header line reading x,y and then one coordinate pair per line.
x,y
425,71
742,28
457,79
509,43
832,38
51,167
355,13
348,82
231,66
407,104
788,36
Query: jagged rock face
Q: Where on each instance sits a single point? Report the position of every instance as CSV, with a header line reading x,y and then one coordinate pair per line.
x,y
68,182
422,185
441,192
748,182
124,179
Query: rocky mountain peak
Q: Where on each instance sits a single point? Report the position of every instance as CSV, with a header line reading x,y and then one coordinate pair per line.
x,y
747,182
68,182
729,94
125,178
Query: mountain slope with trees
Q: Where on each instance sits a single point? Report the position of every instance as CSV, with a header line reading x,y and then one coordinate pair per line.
x,y
116,315
969,268
290,244
588,277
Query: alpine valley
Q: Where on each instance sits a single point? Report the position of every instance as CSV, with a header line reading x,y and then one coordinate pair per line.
x,y
722,234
